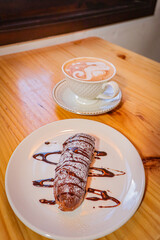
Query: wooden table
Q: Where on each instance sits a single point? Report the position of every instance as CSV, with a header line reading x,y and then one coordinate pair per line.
x,y
26,83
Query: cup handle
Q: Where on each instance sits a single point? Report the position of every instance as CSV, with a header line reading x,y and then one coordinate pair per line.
x,y
111,90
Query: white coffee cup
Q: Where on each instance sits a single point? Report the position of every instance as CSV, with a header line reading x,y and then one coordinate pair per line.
x,y
88,78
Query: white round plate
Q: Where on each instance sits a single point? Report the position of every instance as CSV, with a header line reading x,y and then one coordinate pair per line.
x,y
88,221
66,99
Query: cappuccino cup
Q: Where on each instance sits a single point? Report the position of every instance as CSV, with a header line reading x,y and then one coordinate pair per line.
x,y
89,79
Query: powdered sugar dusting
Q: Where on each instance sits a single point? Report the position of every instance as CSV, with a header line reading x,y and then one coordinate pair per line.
x,y
72,169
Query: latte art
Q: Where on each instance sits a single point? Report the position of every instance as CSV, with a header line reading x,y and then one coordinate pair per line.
x,y
89,69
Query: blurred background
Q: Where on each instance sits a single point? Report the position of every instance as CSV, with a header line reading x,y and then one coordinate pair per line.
x,y
29,24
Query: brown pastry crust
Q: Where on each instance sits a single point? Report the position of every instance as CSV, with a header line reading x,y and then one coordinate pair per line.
x,y
72,171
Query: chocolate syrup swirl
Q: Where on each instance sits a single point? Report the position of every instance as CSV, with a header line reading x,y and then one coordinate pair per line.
x,y
40,183
102,196
78,151
104,172
50,202
44,156
101,172
99,154
71,173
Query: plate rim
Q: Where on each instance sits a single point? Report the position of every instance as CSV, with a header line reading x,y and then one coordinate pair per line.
x,y
98,235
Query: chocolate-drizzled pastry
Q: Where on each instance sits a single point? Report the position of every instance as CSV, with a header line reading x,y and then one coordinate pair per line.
x,y
72,171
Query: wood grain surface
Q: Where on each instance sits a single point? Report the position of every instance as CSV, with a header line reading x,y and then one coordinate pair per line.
x,y
26,83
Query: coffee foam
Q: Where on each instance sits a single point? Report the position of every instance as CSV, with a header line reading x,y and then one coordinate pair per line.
x,y
89,69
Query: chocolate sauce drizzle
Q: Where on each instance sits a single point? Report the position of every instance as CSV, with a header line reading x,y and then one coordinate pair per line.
x,y
40,183
50,202
71,173
99,154
78,151
44,156
103,196
101,172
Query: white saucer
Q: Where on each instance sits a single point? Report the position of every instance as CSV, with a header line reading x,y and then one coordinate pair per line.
x,y
66,99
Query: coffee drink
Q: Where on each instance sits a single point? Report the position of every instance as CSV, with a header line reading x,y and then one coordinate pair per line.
x,y
89,77
89,69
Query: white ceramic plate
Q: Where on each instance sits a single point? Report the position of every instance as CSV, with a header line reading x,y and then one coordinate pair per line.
x,y
88,221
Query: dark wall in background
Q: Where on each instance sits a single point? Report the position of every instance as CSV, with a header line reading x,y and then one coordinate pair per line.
x,y
23,20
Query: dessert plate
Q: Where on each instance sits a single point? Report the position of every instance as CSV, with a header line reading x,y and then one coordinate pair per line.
x,y
66,99
93,219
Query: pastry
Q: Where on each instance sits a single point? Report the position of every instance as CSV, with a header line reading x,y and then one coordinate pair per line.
x,y
71,173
